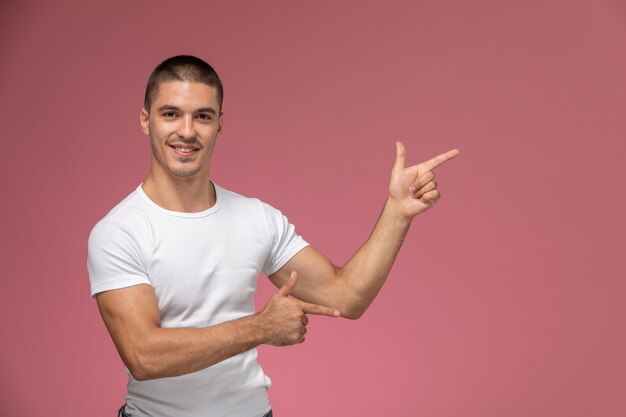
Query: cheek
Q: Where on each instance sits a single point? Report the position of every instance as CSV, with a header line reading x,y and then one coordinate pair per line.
x,y
158,133
157,141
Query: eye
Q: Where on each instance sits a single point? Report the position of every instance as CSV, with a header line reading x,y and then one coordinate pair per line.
x,y
204,116
169,114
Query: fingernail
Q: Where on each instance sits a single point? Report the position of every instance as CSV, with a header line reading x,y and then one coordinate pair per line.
x,y
336,313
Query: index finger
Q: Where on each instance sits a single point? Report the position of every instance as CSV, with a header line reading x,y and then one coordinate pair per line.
x,y
319,310
439,159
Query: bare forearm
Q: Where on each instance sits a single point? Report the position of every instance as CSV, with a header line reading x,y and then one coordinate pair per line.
x,y
365,273
165,352
352,288
151,351
412,190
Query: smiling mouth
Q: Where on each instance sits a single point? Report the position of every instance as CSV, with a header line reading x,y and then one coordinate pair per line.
x,y
184,150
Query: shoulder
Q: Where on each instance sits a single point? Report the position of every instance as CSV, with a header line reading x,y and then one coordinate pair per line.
x,y
119,247
236,198
233,201
128,217
250,210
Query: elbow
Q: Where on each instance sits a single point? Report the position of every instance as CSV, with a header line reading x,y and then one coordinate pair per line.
x,y
139,374
352,316
141,368
355,305
352,312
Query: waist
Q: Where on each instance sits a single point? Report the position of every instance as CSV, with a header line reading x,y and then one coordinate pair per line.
x,y
236,386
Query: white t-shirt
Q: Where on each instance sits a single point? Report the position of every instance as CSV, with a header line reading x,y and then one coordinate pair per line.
x,y
203,268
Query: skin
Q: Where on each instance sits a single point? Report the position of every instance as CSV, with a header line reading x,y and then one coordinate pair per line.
x,y
182,114
186,114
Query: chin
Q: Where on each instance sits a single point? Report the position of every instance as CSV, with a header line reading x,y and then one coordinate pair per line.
x,y
184,173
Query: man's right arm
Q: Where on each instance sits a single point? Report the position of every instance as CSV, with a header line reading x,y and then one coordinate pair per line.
x,y
132,317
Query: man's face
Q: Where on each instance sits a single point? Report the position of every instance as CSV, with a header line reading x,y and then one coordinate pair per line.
x,y
183,122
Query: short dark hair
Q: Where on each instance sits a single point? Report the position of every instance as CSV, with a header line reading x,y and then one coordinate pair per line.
x,y
182,68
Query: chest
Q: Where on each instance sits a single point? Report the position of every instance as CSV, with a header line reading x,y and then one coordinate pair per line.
x,y
207,269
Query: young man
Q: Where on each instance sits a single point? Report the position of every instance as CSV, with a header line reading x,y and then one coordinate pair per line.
x,y
173,267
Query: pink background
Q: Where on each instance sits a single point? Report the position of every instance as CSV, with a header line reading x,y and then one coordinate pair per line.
x,y
508,299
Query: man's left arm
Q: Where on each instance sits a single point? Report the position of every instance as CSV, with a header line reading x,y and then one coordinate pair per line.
x,y
352,287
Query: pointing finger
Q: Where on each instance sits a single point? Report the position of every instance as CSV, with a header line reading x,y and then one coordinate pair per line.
x,y
400,156
439,159
286,289
319,310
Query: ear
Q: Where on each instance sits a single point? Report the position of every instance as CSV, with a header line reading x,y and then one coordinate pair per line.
x,y
144,121
219,129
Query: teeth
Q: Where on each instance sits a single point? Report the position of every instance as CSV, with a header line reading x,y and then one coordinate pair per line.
x,y
185,150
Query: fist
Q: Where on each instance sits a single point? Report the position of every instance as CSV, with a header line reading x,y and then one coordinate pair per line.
x,y
284,319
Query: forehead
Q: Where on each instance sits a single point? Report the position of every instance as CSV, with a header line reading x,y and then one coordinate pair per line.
x,y
186,95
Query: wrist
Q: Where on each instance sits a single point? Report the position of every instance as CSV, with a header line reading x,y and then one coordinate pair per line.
x,y
251,330
395,210
258,328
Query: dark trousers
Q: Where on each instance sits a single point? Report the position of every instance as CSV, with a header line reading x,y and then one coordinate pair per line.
x,y
122,413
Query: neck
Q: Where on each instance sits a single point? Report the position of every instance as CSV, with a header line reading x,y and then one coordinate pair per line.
x,y
187,195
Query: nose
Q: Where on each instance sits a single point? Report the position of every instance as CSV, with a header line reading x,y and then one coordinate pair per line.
x,y
185,128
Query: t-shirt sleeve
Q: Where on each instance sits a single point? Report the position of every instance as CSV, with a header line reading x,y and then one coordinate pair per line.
x,y
115,258
285,242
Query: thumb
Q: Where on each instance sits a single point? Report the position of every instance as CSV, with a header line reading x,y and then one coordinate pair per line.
x,y
400,156
286,289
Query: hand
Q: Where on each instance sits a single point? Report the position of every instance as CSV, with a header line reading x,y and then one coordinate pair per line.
x,y
284,319
414,188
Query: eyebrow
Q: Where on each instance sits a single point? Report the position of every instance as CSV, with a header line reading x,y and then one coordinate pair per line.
x,y
200,110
